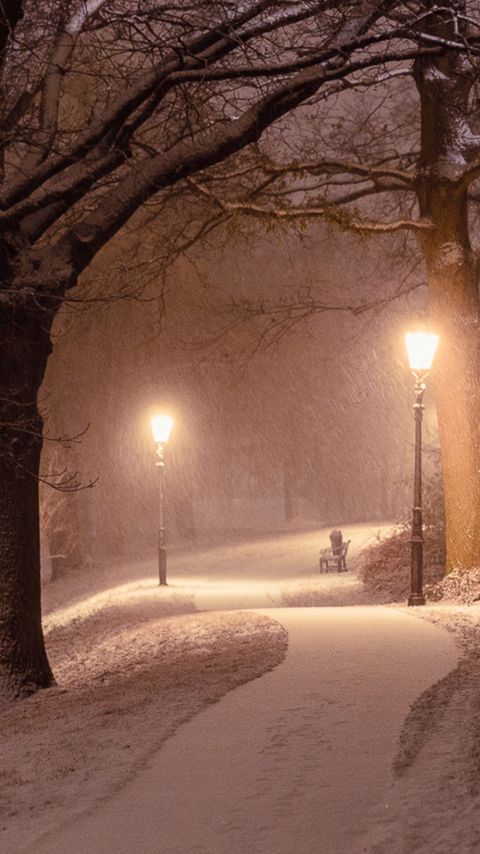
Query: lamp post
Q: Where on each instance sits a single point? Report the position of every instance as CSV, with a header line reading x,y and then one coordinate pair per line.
x,y
421,347
161,429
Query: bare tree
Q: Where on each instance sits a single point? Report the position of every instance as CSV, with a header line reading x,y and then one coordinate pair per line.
x,y
169,90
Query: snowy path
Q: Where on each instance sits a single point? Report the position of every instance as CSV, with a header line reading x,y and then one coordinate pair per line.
x,y
291,763
260,574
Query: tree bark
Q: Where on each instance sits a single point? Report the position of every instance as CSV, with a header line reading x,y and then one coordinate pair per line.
x,y
452,272
25,338
452,281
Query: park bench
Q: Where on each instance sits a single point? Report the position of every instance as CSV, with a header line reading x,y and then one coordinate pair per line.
x,y
334,558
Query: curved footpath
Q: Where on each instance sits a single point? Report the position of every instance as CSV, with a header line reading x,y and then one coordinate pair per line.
x,y
291,763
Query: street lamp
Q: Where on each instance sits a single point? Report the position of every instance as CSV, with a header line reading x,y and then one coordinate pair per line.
x,y
421,347
161,429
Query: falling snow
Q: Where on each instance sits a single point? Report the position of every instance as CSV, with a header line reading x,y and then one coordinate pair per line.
x,y
135,662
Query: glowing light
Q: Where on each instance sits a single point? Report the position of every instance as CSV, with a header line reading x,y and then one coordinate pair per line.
x,y
161,428
421,347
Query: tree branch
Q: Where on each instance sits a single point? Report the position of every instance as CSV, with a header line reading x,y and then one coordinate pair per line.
x,y
11,12
333,167
52,83
332,213
79,245
199,52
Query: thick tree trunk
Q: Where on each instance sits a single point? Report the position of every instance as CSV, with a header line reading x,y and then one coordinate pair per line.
x,y
457,394
25,342
452,271
444,85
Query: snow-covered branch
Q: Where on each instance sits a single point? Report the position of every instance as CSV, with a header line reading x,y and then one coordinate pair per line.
x,y
52,83
328,212
86,10
332,166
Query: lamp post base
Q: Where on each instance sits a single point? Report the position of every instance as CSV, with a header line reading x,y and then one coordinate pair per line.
x,y
416,599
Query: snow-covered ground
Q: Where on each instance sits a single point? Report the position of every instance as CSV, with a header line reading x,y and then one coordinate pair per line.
x,y
132,665
292,762
434,800
134,661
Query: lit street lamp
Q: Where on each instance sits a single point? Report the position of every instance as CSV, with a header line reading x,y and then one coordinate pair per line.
x,y
421,348
161,428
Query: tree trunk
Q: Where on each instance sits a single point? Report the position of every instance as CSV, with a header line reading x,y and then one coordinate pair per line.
x,y
444,84
25,338
452,272
452,281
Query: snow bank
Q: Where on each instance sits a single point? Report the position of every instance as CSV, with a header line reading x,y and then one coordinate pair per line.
x,y
458,586
132,664
434,803
325,590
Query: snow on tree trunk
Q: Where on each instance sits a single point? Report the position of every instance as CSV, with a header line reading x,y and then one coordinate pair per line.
x,y
24,665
